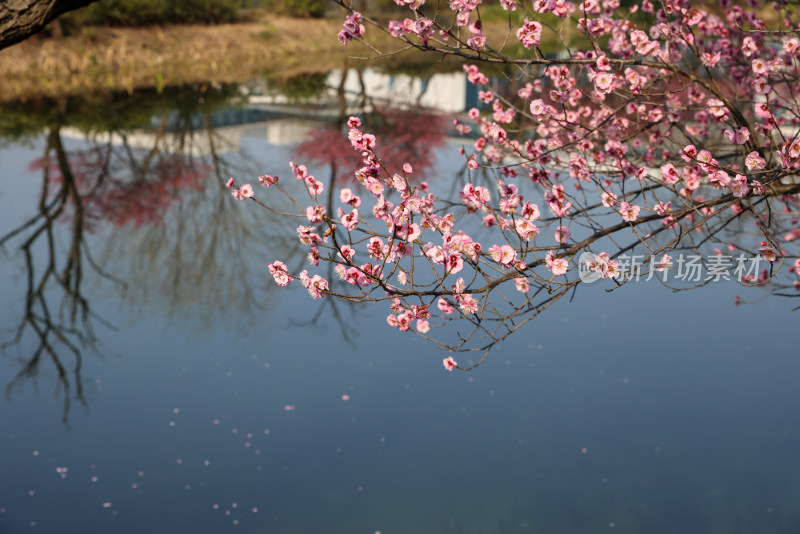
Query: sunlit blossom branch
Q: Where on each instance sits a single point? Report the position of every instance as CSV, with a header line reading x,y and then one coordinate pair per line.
x,y
658,134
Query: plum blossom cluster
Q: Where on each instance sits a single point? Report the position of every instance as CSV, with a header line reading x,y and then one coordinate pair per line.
x,y
352,28
632,142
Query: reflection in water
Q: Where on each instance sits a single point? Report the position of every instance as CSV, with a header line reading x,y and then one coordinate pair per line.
x,y
156,200
580,423
63,323
137,184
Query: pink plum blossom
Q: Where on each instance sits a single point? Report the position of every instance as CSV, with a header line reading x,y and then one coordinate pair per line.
x,y
558,266
279,273
449,363
502,254
629,212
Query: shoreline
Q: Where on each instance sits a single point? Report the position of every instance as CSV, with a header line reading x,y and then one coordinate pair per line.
x,y
124,59
112,59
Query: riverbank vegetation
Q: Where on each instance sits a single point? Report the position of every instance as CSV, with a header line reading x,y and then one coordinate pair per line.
x,y
132,44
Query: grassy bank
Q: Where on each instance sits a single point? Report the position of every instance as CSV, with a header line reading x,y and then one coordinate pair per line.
x,y
116,59
97,59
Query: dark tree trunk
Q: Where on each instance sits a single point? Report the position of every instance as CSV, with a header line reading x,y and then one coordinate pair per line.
x,y
19,19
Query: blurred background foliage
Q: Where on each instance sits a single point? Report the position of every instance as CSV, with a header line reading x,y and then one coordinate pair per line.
x,y
159,12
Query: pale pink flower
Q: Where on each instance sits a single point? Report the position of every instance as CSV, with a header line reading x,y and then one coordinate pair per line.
x,y
705,157
562,235
468,304
638,37
454,262
530,33
710,60
762,110
444,306
738,137
717,108
759,66
347,252
315,187
423,326
749,46
350,220
539,109
739,186
604,82
449,363
523,284
669,175
246,190
502,254
526,229
316,285
790,45
769,254
754,161
629,213
761,87
266,180
352,28
279,273
558,266
662,209
608,199
530,211
435,253
315,214
719,179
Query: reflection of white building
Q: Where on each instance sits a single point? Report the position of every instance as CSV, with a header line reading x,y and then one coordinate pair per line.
x,y
282,121
445,92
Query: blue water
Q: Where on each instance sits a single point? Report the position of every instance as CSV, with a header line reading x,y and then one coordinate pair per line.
x,y
637,411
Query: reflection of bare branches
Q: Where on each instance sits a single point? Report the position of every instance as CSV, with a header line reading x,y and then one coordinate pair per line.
x,y
70,325
201,239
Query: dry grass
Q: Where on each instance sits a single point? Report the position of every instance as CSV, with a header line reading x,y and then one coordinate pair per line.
x,y
131,58
124,59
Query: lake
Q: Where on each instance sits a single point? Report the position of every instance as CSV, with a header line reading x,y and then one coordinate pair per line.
x,y
216,402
